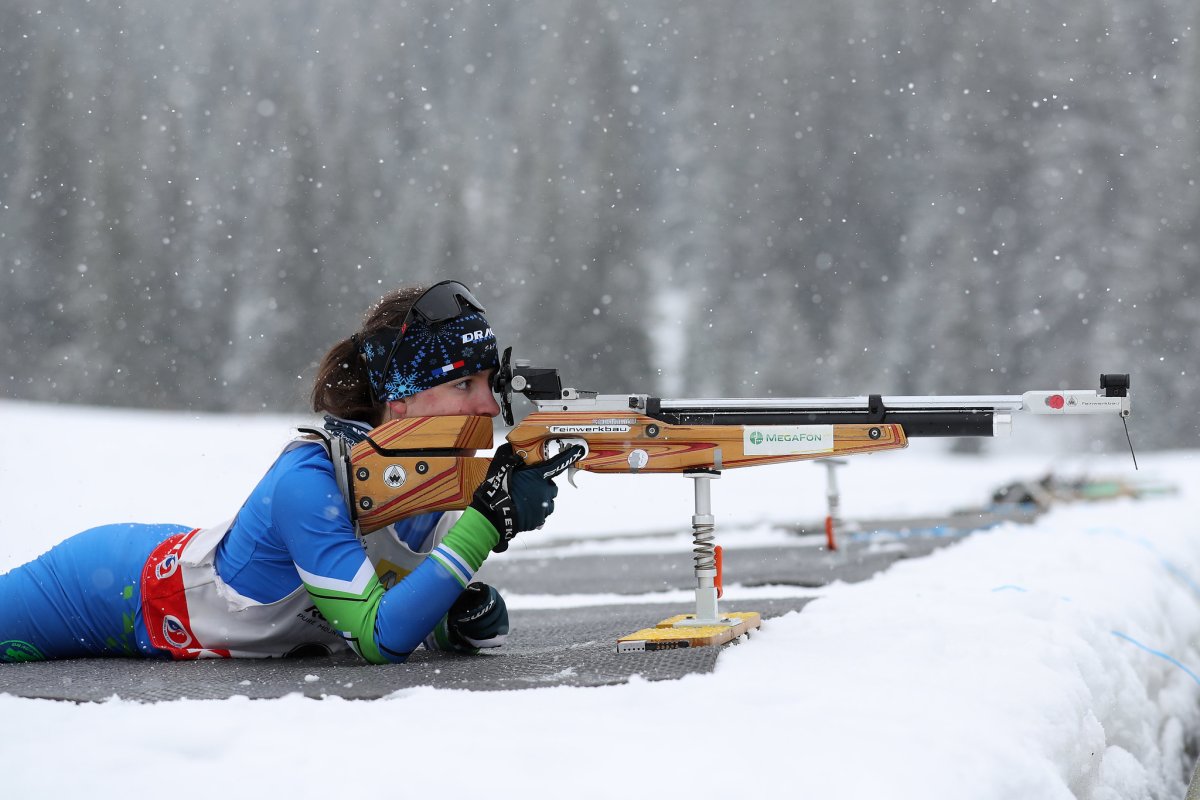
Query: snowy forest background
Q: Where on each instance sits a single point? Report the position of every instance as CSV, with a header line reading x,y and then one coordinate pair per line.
x,y
789,197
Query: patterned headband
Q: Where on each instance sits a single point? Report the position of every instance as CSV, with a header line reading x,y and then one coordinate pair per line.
x,y
427,355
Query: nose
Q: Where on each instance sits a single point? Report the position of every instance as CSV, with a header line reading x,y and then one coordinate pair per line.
x,y
487,405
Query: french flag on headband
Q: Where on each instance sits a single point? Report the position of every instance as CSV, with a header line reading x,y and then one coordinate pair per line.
x,y
447,369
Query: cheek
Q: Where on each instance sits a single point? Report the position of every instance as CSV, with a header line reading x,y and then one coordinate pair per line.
x,y
453,401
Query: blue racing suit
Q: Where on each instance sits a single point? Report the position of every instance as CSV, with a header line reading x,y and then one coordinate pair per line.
x,y
287,574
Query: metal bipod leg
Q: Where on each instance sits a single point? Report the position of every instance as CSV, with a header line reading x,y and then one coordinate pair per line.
x,y
703,524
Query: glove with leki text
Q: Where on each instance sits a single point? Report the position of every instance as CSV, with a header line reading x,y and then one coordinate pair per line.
x,y
478,618
516,496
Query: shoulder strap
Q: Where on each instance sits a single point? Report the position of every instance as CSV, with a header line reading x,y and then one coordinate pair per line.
x,y
339,454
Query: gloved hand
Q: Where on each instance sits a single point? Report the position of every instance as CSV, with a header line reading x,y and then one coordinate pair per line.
x,y
478,618
517,497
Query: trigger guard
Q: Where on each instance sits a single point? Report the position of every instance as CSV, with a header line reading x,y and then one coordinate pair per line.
x,y
552,447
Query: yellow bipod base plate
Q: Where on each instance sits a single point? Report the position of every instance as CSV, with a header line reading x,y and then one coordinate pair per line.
x,y
666,636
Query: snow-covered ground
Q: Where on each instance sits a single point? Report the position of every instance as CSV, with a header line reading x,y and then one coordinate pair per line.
x,y
1053,660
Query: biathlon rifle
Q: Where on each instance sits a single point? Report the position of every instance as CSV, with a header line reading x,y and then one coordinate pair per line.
x,y
422,464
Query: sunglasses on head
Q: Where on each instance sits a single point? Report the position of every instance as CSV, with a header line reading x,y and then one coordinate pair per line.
x,y
440,302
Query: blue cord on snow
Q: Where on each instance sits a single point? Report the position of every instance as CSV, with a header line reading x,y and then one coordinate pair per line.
x,y
1158,653
1147,545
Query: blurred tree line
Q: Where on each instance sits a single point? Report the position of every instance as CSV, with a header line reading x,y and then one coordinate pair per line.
x,y
785,197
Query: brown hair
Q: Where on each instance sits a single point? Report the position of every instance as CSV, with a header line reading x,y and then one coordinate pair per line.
x,y
342,387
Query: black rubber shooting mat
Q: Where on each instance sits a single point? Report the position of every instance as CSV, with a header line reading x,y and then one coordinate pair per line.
x,y
547,647
560,647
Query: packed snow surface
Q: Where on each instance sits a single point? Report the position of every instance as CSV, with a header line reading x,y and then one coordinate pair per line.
x,y
1051,660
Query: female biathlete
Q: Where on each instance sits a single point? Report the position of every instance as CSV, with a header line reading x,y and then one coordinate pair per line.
x,y
289,574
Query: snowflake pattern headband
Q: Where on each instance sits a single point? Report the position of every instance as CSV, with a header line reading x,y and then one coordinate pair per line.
x,y
424,355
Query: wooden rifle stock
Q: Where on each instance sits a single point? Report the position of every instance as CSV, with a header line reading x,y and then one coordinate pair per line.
x,y
419,465
634,443
415,466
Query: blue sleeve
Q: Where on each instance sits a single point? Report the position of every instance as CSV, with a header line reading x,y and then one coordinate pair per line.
x,y
382,626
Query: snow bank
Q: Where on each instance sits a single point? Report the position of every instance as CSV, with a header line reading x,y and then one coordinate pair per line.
x,y
1046,661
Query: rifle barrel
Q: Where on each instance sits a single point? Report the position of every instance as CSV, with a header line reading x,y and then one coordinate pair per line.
x,y
938,415
953,402
980,421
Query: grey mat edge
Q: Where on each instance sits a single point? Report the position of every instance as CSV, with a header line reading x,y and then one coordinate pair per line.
x,y
559,647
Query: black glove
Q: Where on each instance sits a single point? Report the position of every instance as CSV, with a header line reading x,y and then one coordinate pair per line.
x,y
478,618
515,497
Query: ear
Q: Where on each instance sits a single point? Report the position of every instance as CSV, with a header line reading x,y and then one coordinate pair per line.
x,y
396,409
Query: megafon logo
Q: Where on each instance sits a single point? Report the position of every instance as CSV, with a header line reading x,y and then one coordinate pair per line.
x,y
477,336
785,437
788,439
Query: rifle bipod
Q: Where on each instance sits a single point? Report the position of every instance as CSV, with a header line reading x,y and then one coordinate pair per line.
x,y
707,626
704,555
